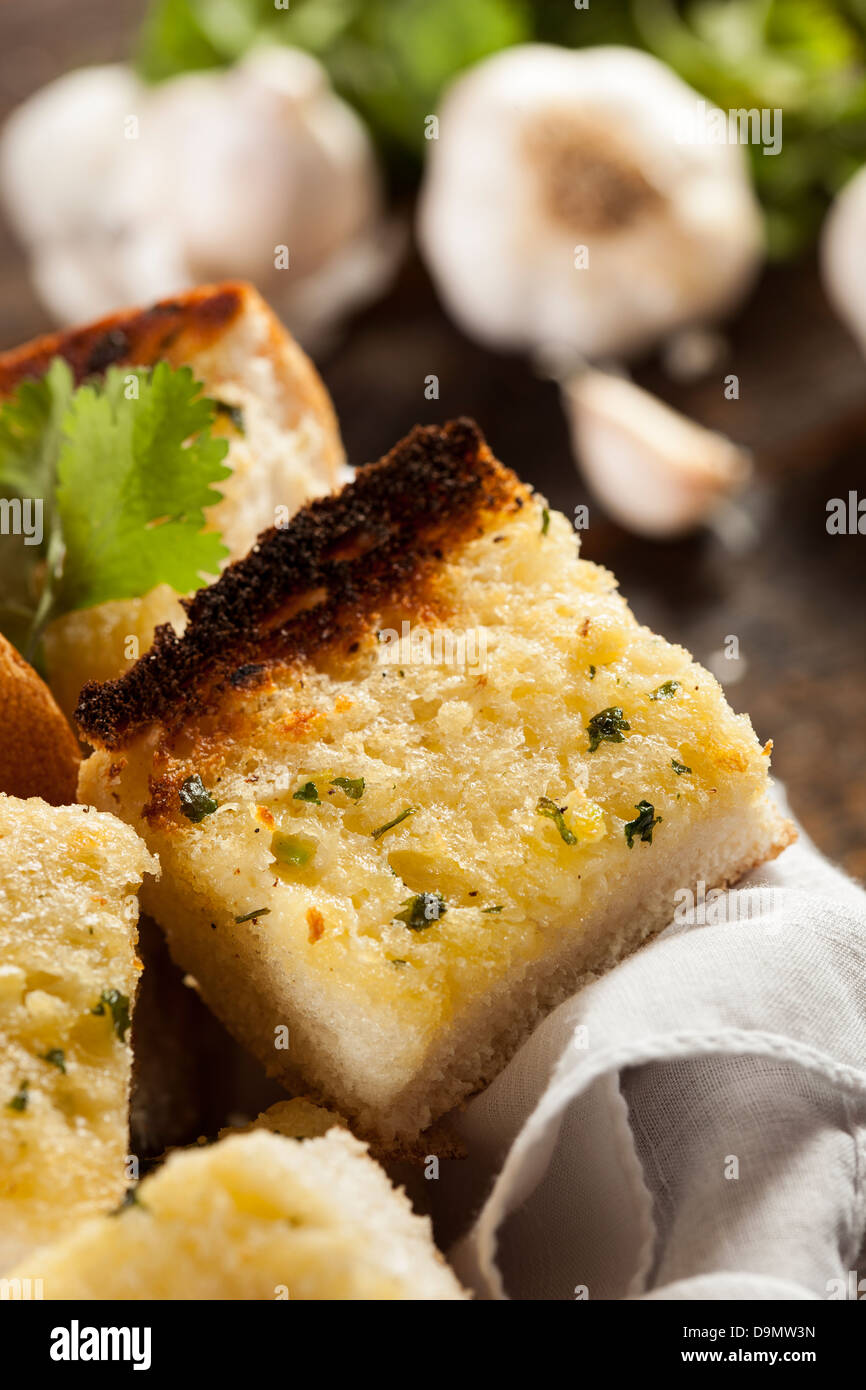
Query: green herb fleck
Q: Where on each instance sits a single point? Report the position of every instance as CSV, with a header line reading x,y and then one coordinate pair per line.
x,y
642,825
118,1005
307,792
592,673
545,521
234,413
666,691
607,725
497,908
130,1199
57,1057
397,961
422,911
196,801
352,786
679,768
291,850
546,807
251,916
19,1100
380,830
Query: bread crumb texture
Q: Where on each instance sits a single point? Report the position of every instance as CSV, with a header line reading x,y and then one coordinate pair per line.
x,y
68,974
257,1216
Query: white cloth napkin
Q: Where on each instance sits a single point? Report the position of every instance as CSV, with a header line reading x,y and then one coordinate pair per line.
x,y
693,1124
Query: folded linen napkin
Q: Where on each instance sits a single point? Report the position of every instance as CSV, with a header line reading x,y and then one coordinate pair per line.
x,y
693,1124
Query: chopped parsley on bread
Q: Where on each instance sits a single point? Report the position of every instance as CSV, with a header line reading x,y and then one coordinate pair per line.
x,y
257,1216
414,771
68,974
272,410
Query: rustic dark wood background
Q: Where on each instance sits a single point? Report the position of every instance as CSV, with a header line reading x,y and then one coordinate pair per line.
x,y
796,600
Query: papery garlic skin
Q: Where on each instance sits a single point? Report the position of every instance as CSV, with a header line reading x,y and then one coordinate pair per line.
x,y
842,253
655,472
60,146
543,151
123,191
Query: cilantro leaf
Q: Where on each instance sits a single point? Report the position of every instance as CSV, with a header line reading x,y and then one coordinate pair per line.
x,y
118,1007
196,801
609,725
666,691
108,484
642,825
352,786
134,478
308,792
422,911
30,432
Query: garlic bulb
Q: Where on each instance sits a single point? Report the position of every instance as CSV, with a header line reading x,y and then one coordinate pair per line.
x,y
843,255
567,202
654,471
123,191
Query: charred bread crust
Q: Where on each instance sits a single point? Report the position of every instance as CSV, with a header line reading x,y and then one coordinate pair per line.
x,y
175,329
180,331
316,585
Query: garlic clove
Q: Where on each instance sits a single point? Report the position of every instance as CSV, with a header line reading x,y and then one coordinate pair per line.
x,y
543,151
260,156
222,170
842,255
655,472
58,149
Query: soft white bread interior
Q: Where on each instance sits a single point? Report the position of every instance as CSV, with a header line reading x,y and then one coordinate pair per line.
x,y
405,851
284,443
256,1216
68,974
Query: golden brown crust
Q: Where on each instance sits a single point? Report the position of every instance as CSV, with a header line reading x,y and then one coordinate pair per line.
x,y
179,330
176,329
39,755
315,587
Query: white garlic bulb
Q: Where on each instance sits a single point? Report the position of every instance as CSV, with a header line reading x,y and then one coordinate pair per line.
x,y
123,191
567,204
655,472
843,255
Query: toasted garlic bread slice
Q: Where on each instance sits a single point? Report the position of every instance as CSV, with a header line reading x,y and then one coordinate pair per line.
x,y
39,753
284,444
403,861
257,1216
68,973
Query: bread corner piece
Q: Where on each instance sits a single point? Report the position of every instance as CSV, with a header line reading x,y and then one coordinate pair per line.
x,y
284,444
257,1216
412,772
68,974
39,754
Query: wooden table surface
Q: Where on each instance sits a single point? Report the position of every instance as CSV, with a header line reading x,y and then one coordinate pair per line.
x,y
795,598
